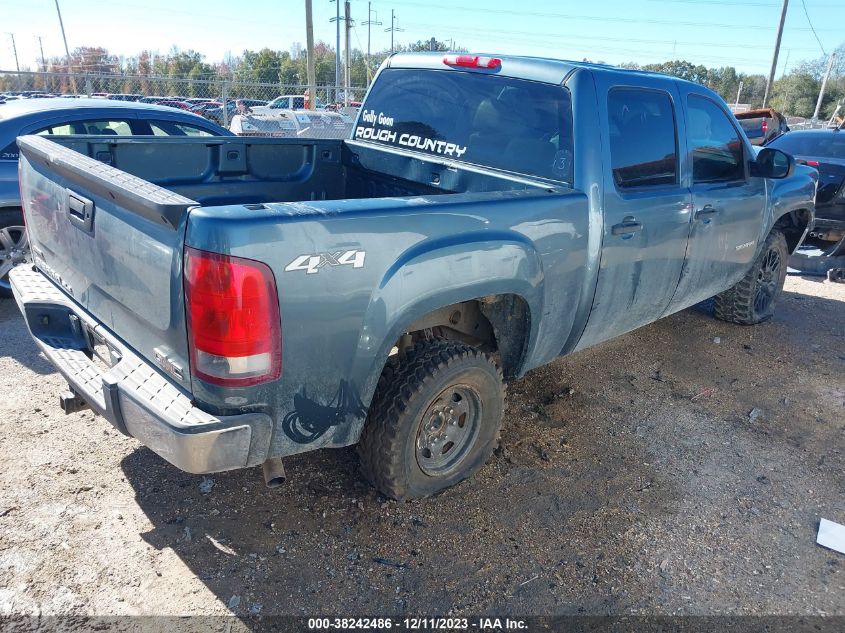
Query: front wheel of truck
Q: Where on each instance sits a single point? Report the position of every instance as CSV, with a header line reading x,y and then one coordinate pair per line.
x,y
753,299
434,420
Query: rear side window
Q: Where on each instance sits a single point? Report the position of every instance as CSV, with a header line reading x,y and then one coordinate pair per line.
x,y
643,140
100,127
511,124
172,128
715,143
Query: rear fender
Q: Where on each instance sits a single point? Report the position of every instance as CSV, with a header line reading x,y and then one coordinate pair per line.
x,y
435,274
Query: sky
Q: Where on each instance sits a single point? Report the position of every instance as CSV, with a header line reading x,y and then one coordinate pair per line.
x,y
715,33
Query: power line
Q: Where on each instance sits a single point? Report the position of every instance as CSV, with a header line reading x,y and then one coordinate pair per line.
x,y
736,3
803,4
565,16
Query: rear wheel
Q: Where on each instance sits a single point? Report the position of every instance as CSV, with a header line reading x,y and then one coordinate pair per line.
x,y
14,247
434,420
753,299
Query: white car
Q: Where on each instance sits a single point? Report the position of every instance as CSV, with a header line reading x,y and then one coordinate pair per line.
x,y
292,123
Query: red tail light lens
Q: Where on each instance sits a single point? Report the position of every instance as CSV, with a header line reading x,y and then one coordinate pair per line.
x,y
232,311
472,61
765,126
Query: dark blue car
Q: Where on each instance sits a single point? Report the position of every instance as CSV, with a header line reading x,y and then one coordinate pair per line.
x,y
63,117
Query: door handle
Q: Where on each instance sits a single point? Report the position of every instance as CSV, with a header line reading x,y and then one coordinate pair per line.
x,y
628,226
706,212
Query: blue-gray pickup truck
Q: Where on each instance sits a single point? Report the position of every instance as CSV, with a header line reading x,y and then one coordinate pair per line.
x,y
231,301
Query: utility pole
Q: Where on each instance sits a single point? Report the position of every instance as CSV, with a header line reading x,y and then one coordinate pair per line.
x,y
15,51
369,22
738,92
43,61
824,85
347,66
64,37
41,47
309,59
393,28
17,65
786,63
336,21
771,79
67,50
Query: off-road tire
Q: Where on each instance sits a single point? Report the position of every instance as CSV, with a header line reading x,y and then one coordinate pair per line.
x,y
737,305
407,389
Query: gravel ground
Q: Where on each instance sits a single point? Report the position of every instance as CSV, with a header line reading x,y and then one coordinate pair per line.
x,y
631,479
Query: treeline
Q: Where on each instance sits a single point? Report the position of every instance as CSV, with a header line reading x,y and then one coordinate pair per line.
x,y
794,93
165,74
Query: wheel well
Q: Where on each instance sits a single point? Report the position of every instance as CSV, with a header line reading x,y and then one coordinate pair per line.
x,y
793,225
498,323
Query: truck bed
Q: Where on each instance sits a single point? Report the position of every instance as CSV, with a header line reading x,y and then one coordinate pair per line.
x,y
149,198
224,170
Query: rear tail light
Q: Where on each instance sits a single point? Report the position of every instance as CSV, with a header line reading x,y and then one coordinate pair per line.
x,y
232,311
472,61
765,127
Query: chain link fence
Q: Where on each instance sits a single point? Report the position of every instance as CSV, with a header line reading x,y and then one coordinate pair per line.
x,y
226,93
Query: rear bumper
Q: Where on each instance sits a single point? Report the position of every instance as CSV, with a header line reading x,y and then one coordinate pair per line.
x,y
131,394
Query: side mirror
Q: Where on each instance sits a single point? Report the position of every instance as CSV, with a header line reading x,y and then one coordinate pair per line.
x,y
773,163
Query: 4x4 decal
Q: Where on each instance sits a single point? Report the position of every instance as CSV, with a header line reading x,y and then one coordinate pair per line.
x,y
313,263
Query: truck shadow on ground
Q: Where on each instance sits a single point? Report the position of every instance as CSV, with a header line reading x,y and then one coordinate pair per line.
x,y
611,460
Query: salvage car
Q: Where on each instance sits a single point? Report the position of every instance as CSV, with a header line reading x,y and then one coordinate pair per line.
x,y
823,149
763,125
80,116
230,302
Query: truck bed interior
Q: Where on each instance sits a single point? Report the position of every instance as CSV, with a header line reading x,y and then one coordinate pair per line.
x,y
216,171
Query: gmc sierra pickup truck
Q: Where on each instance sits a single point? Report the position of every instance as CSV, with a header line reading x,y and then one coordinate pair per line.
x,y
231,301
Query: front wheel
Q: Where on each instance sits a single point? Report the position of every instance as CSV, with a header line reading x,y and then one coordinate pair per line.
x,y
434,420
753,299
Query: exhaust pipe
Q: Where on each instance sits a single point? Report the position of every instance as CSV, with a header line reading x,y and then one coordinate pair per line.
x,y
274,472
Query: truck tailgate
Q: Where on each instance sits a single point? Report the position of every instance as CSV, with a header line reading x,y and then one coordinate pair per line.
x,y
111,241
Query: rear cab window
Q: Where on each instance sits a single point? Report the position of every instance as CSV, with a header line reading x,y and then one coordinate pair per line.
x,y
510,124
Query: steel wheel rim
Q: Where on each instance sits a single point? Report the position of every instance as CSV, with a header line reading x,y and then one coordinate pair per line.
x,y
767,280
448,430
14,250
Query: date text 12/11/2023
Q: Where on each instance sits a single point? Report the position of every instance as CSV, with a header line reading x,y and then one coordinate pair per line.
x,y
417,624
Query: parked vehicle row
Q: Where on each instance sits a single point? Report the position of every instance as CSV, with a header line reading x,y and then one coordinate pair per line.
x,y
254,298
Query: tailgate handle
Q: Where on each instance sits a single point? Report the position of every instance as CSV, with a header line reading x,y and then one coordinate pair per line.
x,y
80,210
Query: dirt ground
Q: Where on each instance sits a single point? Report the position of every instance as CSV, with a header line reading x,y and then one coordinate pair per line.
x,y
631,479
